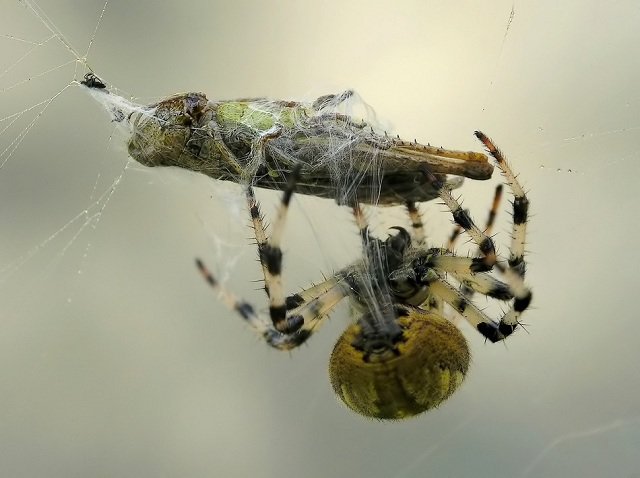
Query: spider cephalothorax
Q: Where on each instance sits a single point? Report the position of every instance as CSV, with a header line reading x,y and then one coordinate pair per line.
x,y
400,356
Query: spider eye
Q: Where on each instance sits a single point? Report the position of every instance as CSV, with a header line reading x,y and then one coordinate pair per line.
x,y
428,365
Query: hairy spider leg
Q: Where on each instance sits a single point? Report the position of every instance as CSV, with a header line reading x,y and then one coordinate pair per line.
x,y
466,285
417,226
458,266
302,312
520,207
362,225
463,219
488,228
514,273
259,229
463,269
320,300
491,330
270,255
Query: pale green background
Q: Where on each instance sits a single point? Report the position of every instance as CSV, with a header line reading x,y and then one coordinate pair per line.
x,y
115,358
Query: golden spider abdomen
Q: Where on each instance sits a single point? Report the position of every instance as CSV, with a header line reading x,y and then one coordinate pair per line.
x,y
426,367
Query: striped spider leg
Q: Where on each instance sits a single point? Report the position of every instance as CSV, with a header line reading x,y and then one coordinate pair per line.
x,y
488,228
465,287
470,270
293,318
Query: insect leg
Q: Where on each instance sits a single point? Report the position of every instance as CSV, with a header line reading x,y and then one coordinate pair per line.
x,y
227,155
332,100
259,145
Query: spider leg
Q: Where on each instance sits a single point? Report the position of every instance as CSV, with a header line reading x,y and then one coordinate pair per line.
x,y
465,269
332,100
488,228
294,301
493,212
320,300
417,225
463,219
493,331
468,287
295,317
317,304
362,225
515,273
242,307
297,312
520,207
270,255
259,229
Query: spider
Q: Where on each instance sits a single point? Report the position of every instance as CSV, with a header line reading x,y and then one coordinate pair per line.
x,y
401,356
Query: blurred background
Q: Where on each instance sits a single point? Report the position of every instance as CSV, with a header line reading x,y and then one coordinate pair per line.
x,y
117,360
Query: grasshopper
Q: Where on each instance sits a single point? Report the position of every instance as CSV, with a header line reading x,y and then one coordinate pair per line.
x,y
260,141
